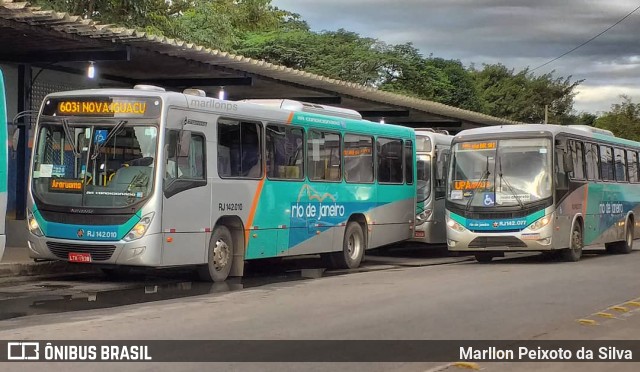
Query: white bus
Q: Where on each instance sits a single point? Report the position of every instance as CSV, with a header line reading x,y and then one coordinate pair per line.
x,y
144,177
542,188
432,149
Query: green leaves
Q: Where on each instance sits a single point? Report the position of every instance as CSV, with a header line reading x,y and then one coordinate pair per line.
x,y
623,119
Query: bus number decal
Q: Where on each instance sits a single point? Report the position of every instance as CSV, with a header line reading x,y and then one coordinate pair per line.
x,y
99,234
229,206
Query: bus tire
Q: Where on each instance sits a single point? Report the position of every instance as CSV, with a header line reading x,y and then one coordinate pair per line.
x,y
574,252
352,248
483,257
625,246
219,256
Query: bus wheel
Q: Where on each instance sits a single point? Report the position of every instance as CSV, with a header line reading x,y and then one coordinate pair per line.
x,y
574,252
484,257
352,248
219,257
625,246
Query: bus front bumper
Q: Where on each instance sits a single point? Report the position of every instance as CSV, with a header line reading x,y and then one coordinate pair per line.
x,y
429,232
145,251
468,241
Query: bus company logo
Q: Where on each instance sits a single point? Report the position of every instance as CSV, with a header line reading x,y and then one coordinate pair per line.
x,y
495,225
23,351
81,210
80,233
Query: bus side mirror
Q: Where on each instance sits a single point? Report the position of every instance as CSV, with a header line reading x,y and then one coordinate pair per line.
x,y
567,162
184,143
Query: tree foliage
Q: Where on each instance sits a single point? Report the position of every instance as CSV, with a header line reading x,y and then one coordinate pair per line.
x,y
623,119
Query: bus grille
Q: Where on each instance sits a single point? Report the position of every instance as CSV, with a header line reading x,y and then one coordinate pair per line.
x,y
98,252
497,241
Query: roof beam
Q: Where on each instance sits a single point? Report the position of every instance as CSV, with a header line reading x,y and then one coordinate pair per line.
x,y
385,113
199,82
76,56
319,100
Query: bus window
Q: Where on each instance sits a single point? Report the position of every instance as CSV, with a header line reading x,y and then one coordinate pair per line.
x,y
239,153
323,156
578,163
408,161
424,177
592,161
606,162
358,158
185,167
389,160
620,165
632,158
284,146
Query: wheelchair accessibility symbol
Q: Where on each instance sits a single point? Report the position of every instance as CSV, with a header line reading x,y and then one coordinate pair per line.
x,y
100,136
488,200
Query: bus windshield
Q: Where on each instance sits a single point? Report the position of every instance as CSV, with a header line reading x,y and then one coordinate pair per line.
x,y
94,165
494,173
424,177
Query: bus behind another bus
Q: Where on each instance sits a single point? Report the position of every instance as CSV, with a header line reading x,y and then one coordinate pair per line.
x,y
432,152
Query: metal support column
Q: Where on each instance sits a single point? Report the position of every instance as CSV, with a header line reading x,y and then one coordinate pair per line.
x,y
24,103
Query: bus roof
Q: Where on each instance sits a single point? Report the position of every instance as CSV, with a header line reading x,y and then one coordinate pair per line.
x,y
554,129
248,109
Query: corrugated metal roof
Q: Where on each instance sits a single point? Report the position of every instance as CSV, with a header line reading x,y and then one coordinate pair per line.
x,y
75,26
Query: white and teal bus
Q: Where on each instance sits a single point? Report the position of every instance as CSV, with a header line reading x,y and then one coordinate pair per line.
x,y
432,150
4,150
542,188
145,177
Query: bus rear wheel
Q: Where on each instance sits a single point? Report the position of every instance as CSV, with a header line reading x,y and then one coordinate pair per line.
x,y
353,247
625,246
574,252
219,256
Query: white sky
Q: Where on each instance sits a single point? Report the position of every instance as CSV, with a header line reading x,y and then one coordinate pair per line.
x,y
516,33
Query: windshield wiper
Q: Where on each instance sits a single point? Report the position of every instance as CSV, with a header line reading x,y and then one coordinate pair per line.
x,y
70,137
511,189
112,134
485,177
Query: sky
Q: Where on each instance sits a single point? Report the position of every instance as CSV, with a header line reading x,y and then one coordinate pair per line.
x,y
516,33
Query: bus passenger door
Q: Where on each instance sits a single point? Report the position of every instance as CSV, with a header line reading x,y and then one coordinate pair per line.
x,y
186,220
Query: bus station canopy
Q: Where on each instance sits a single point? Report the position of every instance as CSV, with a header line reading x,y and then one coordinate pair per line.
x,y
63,42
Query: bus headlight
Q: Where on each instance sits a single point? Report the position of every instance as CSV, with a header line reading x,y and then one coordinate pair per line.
x,y
540,223
140,228
454,225
34,227
423,216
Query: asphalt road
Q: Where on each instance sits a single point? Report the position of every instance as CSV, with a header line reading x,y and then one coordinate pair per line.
x,y
519,298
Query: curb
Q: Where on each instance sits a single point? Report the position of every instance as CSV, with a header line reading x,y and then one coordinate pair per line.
x,y
41,268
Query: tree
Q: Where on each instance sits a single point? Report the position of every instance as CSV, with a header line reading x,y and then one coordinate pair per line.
x,y
623,119
522,96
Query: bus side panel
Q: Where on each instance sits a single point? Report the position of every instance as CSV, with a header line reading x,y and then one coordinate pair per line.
x,y
392,220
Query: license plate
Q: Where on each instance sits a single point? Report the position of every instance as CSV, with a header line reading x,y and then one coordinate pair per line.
x,y
419,234
79,257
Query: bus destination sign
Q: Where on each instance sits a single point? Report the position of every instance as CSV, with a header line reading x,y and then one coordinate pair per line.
x,y
103,107
489,145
